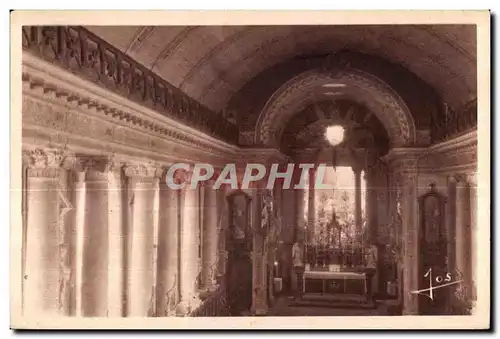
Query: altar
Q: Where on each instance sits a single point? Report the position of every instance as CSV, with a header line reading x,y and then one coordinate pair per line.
x,y
334,282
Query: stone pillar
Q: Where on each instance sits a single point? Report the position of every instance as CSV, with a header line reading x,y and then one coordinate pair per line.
x,y
311,209
259,259
43,277
96,235
299,209
222,227
153,311
357,201
371,176
98,251
450,221
210,238
188,250
141,240
79,224
116,241
168,249
287,237
374,185
405,169
463,233
472,179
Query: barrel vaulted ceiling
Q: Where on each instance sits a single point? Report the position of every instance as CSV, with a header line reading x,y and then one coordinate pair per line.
x,y
212,63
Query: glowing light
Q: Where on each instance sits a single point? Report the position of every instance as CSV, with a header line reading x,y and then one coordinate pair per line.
x,y
334,85
334,134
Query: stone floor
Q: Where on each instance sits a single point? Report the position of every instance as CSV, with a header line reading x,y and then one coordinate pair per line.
x,y
286,306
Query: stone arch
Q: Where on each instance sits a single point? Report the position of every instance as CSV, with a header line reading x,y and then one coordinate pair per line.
x,y
361,87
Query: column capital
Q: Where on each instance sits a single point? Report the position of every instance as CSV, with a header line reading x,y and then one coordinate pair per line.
x,y
43,158
84,163
472,178
43,162
143,170
461,179
404,159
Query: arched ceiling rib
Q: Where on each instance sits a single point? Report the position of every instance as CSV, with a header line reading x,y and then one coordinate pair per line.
x,y
211,63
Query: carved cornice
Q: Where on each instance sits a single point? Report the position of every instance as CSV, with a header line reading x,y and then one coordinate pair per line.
x,y
38,80
454,156
61,109
78,51
463,141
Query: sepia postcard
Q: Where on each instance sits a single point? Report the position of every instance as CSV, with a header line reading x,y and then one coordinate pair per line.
x,y
250,170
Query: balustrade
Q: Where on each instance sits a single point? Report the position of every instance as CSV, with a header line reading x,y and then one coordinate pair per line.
x,y
77,50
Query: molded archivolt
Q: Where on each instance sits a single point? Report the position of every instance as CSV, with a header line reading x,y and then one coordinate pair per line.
x,y
364,88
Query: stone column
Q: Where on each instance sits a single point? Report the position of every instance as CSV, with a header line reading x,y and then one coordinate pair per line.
x,y
141,239
463,232
450,221
222,227
472,179
259,259
153,311
79,189
373,184
357,201
95,255
299,209
311,209
210,238
116,240
98,251
371,176
43,277
188,251
405,168
287,236
168,249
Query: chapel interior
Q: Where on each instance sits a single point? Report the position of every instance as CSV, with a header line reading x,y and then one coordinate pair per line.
x,y
389,110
